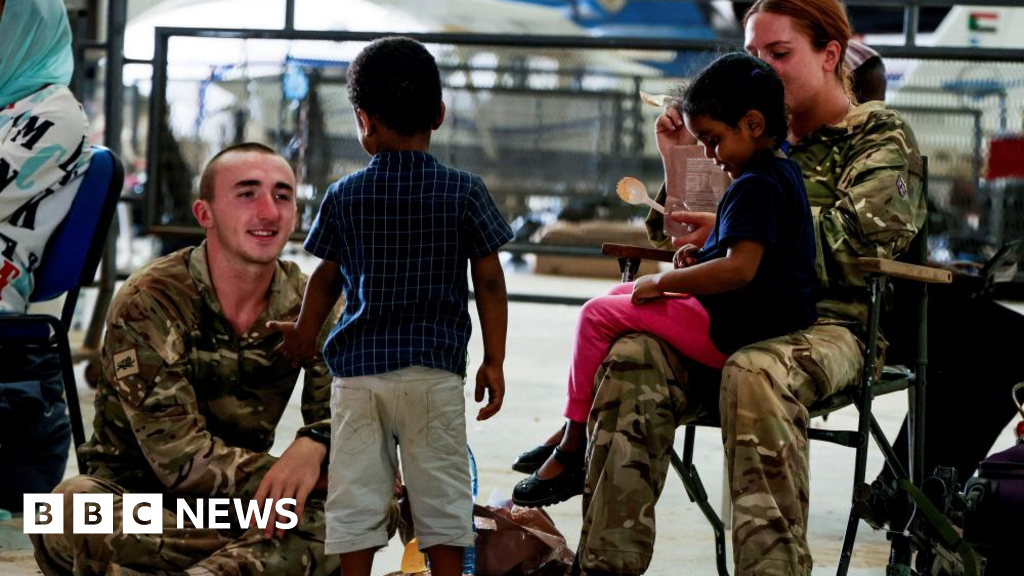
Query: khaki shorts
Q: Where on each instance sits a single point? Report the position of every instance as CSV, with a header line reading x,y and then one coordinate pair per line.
x,y
423,410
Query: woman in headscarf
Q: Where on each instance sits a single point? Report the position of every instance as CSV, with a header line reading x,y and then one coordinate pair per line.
x,y
43,147
43,155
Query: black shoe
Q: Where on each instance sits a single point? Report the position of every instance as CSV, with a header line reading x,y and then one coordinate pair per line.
x,y
535,492
530,461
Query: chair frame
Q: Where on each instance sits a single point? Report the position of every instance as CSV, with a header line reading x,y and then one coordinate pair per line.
x,y
52,332
890,379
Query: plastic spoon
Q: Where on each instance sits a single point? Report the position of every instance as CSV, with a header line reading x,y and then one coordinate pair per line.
x,y
633,191
659,100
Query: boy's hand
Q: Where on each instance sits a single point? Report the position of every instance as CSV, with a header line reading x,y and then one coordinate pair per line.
x,y
295,346
645,289
685,256
492,379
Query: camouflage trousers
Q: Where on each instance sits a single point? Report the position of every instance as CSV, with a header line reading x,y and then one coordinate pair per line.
x,y
180,551
645,390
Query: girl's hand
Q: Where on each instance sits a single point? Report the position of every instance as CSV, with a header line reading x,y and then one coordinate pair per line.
x,y
685,256
701,224
646,289
670,131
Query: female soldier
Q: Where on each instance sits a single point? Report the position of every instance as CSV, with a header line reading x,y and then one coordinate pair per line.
x,y
862,172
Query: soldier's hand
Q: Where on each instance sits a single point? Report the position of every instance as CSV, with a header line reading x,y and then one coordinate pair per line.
x,y
669,131
294,475
296,346
700,223
489,378
685,256
646,289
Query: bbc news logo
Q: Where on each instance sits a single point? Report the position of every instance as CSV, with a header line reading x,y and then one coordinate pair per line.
x,y
143,513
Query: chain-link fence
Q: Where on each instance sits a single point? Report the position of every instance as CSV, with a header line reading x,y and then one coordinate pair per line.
x,y
963,113
550,128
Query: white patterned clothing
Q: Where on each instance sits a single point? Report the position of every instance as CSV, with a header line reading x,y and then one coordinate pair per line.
x,y
44,153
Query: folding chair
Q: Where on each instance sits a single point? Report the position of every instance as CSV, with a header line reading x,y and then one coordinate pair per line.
x,y
68,263
910,376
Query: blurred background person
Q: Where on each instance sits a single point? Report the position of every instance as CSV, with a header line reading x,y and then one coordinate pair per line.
x,y
43,156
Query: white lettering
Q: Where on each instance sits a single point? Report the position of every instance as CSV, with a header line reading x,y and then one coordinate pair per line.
x,y
44,513
92,514
282,511
183,509
252,510
216,512
142,514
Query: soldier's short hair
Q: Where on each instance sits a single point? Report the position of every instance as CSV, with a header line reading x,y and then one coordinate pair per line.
x,y
210,171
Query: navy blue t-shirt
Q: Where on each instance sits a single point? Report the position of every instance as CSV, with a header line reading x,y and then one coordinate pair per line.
x,y
767,204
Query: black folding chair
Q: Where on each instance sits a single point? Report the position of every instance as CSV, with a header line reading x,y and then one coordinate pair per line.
x,y
909,375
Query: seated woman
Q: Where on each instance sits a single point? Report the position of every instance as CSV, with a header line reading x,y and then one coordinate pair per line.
x,y
862,172
753,279
43,157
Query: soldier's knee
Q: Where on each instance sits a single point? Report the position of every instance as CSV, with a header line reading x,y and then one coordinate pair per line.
x,y
632,352
81,484
76,485
747,368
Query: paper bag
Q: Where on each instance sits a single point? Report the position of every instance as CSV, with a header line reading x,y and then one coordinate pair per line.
x,y
693,182
518,542
510,541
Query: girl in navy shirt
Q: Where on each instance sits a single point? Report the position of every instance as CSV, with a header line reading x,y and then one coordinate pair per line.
x,y
753,279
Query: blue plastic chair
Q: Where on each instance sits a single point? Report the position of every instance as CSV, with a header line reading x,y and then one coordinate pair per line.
x,y
68,263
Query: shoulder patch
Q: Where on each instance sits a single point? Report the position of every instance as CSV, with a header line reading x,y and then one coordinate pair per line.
x,y
901,186
126,363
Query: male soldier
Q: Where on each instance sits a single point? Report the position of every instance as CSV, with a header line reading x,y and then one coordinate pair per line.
x,y
191,391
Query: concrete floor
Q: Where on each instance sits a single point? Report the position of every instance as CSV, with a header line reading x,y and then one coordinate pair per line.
x,y
539,347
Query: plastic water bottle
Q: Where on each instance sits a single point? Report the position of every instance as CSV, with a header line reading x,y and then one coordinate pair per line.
x,y
469,553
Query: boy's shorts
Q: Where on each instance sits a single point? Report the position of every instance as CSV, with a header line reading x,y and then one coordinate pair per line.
x,y
423,408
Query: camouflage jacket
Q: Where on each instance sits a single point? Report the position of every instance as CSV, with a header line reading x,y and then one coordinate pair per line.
x,y
864,184
184,405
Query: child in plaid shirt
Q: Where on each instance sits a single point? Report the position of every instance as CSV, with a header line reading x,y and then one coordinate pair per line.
x,y
395,239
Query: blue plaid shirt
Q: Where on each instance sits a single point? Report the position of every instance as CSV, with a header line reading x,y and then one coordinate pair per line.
x,y
402,231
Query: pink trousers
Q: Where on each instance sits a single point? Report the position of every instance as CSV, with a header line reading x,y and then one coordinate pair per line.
x,y
678,319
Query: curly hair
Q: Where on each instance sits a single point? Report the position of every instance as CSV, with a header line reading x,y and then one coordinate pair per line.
x,y
396,80
733,85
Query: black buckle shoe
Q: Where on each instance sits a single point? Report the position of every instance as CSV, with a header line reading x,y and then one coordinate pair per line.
x,y
530,461
535,492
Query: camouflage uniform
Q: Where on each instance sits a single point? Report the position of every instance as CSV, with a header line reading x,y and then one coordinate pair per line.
x,y
863,179
187,408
